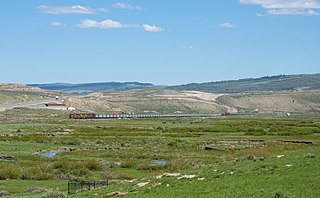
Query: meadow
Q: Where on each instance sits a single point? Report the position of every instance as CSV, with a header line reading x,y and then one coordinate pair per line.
x,y
245,156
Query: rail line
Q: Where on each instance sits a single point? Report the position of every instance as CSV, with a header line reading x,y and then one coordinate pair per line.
x,y
115,116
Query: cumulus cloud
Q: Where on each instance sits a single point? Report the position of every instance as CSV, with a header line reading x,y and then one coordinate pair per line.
x,y
126,6
227,25
105,24
56,24
110,24
152,28
287,7
76,9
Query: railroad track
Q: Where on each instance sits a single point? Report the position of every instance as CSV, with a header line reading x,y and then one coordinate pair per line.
x,y
115,116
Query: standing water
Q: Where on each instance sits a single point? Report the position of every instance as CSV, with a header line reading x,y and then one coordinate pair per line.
x,y
49,154
161,162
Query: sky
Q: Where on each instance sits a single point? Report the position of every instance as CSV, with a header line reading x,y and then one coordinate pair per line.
x,y
164,42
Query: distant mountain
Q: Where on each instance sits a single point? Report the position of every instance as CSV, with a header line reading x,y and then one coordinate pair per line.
x,y
93,87
268,83
10,87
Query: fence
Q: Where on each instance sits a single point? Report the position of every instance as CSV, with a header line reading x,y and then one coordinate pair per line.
x,y
74,187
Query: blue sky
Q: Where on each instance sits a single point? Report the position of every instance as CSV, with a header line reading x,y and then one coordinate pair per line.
x,y
163,42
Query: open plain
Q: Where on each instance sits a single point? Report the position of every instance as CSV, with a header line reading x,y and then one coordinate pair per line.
x,y
244,156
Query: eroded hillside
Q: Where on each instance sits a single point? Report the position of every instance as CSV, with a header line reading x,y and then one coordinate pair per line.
x,y
149,100
292,101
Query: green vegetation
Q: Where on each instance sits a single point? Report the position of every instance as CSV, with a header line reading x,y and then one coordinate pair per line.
x,y
16,97
272,83
92,87
258,156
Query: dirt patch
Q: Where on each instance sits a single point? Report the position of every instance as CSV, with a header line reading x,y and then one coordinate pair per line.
x,y
202,95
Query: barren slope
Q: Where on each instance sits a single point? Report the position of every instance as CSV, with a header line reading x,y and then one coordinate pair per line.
x,y
294,101
149,100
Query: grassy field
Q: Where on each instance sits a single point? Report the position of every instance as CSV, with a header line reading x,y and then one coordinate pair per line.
x,y
16,97
250,156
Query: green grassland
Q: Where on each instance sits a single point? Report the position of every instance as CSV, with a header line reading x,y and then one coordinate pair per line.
x,y
249,85
229,156
16,97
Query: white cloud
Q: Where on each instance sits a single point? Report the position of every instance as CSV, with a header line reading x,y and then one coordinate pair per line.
x,y
110,24
76,9
103,10
126,6
287,7
56,24
227,25
187,47
292,12
152,28
106,24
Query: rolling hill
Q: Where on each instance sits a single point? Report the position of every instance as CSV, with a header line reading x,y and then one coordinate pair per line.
x,y
264,84
284,93
17,93
93,87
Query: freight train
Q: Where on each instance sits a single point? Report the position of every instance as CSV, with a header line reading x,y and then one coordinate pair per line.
x,y
139,115
82,116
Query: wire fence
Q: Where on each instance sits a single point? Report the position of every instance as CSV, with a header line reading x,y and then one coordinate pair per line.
x,y
74,186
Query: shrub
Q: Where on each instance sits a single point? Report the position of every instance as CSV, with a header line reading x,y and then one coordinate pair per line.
x,y
54,195
181,164
129,164
92,164
9,172
36,173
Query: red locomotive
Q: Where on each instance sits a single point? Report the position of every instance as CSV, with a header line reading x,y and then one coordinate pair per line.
x,y
82,116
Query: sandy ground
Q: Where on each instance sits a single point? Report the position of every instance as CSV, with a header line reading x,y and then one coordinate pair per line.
x,y
202,95
96,94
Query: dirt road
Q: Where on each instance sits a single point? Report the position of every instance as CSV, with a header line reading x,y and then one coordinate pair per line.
x,y
26,104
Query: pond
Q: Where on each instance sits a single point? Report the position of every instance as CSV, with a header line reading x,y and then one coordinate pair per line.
x,y
161,162
49,154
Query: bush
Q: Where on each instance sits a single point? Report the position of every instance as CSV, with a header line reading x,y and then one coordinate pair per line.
x,y
92,164
36,173
70,168
9,172
181,164
129,164
54,195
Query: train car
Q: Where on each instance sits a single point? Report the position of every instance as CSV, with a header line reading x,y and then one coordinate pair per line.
x,y
82,116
